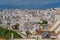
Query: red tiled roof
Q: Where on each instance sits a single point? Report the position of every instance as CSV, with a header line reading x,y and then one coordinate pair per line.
x,y
39,32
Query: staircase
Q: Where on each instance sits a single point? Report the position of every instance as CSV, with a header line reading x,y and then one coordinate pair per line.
x,y
54,25
24,36
56,28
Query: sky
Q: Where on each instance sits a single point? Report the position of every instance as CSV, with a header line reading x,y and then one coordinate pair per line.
x,y
29,4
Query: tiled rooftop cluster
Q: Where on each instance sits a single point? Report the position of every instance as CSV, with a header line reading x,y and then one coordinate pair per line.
x,y
27,17
29,23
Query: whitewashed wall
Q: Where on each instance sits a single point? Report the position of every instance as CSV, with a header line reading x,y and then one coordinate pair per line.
x,y
57,30
22,39
54,26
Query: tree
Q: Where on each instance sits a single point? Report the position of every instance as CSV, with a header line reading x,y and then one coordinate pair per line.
x,y
15,26
43,23
8,23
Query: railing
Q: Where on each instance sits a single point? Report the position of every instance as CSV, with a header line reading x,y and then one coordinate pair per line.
x,y
57,29
58,35
54,25
58,32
